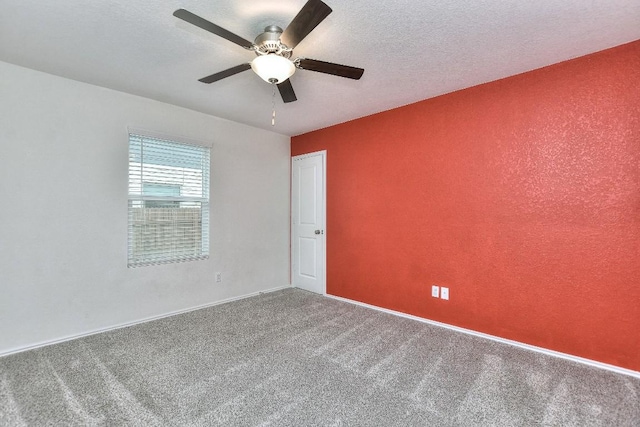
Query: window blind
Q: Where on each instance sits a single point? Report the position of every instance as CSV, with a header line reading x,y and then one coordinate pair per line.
x,y
168,201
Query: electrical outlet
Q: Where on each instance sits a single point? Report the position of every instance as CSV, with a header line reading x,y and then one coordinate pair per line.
x,y
218,277
435,291
444,293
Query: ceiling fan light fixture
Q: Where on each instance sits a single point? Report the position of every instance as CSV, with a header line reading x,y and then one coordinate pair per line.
x,y
273,68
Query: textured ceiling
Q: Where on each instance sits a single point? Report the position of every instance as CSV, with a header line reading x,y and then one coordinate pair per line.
x,y
410,49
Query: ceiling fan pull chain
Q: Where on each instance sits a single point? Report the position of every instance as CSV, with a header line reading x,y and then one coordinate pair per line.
x,y
273,105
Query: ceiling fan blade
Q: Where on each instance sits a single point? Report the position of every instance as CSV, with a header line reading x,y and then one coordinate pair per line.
x,y
311,14
286,91
189,17
330,68
226,73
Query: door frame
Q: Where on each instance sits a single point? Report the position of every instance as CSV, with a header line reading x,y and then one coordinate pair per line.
x,y
323,154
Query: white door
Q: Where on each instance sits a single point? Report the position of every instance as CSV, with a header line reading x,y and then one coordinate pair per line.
x,y
307,222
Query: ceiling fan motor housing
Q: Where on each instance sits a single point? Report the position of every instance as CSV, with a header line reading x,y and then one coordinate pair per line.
x,y
269,42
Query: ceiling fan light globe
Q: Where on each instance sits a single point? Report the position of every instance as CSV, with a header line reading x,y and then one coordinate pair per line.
x,y
273,68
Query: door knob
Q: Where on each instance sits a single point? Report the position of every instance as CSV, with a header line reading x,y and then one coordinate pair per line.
x,y
318,232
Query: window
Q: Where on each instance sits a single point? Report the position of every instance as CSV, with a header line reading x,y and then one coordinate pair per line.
x,y
154,189
168,201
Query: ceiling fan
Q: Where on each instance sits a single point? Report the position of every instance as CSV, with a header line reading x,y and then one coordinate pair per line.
x,y
274,48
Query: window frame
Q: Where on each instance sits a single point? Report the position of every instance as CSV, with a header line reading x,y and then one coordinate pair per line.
x,y
137,199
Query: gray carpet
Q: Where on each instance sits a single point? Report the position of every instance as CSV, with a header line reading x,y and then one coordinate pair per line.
x,y
291,358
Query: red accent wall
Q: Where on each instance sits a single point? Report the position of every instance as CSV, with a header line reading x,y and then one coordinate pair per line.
x,y
521,195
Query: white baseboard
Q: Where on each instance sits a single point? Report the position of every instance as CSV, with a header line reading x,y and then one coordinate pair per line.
x,y
592,363
137,322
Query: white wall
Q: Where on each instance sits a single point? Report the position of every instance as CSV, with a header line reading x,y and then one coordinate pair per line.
x,y
63,210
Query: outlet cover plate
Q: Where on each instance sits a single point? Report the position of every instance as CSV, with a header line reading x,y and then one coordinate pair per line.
x,y
444,293
435,291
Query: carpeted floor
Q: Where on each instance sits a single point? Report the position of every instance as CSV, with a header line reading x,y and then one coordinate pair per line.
x,y
291,358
